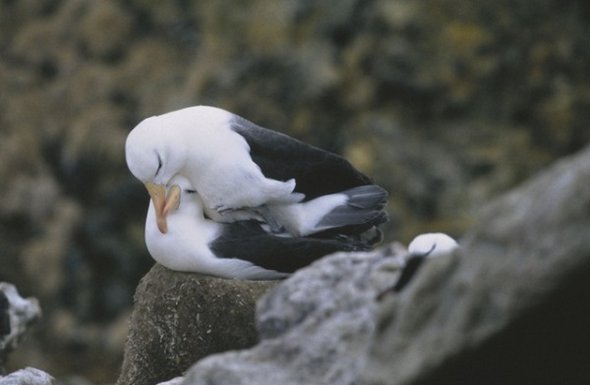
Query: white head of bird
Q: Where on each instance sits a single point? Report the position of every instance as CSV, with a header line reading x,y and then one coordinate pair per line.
x,y
432,245
157,148
151,159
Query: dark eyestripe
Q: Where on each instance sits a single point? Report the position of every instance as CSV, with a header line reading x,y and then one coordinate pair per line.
x,y
159,163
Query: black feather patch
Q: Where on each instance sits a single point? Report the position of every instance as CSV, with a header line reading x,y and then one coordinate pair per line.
x,y
317,172
246,240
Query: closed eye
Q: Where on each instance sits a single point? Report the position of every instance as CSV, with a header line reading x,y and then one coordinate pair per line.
x,y
189,191
159,164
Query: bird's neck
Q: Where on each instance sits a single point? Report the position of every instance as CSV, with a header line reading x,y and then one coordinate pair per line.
x,y
190,209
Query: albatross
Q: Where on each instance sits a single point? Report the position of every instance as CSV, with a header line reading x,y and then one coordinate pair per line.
x,y
244,249
243,171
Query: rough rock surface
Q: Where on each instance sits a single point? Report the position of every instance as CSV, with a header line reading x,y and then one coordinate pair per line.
x,y
27,376
16,315
514,308
179,318
315,327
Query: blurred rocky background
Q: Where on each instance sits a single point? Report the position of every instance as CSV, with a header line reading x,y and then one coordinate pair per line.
x,y
445,103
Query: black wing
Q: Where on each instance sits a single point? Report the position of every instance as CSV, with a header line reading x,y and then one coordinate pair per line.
x,y
317,172
248,241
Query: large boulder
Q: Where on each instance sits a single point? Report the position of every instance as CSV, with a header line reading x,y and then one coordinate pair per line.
x,y
179,318
513,308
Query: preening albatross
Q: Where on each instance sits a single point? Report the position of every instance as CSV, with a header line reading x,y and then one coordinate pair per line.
x,y
243,171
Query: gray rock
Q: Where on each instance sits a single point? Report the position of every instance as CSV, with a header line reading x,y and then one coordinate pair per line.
x,y
513,308
16,314
175,381
179,318
27,376
315,327
4,315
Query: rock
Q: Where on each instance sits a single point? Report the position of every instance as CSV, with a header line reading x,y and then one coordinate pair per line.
x,y
175,381
16,315
315,327
179,318
512,308
4,315
27,376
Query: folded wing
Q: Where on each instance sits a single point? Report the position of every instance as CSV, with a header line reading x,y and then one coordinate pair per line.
x,y
316,171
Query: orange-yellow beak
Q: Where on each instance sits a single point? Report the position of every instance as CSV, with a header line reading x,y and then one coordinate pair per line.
x,y
163,202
